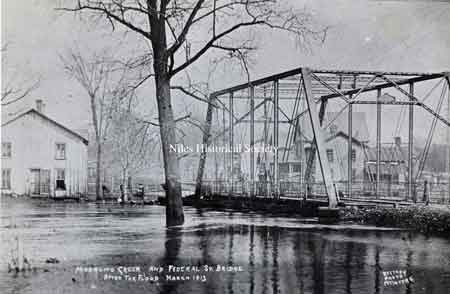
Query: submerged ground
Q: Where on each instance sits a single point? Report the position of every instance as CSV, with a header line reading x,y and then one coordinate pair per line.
x,y
96,248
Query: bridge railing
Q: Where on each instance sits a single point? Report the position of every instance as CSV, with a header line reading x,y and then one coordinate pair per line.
x,y
436,193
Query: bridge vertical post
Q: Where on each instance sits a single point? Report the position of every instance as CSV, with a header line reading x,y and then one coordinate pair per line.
x,y
231,157
378,147
225,164
301,148
350,143
350,150
266,188
275,139
252,141
216,164
319,138
447,77
410,145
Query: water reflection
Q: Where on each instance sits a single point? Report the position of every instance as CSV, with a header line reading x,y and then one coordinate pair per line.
x,y
275,259
171,255
251,260
265,260
348,268
377,268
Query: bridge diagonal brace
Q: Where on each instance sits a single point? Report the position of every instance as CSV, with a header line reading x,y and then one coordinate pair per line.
x,y
319,138
240,119
413,98
342,96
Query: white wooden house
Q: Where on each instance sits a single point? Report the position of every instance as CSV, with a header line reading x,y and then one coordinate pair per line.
x,y
336,149
41,157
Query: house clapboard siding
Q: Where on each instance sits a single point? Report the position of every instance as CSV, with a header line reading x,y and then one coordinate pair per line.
x,y
33,164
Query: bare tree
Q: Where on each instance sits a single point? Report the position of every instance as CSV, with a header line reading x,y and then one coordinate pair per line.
x,y
105,84
133,143
13,89
180,33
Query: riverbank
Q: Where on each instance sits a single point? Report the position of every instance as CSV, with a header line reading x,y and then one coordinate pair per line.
x,y
424,219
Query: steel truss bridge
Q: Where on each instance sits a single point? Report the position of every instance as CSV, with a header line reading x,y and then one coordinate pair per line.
x,y
295,103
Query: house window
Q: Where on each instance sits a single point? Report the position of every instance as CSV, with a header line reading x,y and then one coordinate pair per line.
x,y
353,155
60,151
395,179
6,149
6,178
330,155
297,168
353,173
60,179
284,169
92,172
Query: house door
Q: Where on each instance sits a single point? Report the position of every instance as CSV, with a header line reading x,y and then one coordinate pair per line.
x,y
40,181
35,180
44,181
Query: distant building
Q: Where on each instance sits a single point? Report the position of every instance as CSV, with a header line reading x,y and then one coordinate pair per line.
x,y
292,160
41,157
336,146
393,163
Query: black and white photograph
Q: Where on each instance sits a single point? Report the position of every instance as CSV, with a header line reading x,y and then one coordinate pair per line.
x,y
225,146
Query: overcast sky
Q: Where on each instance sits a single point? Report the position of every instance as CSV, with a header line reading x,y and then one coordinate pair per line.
x,y
372,35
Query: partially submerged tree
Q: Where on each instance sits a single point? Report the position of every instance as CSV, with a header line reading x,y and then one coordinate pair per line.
x,y
105,83
180,33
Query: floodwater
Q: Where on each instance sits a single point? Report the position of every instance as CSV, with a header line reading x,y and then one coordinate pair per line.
x,y
95,244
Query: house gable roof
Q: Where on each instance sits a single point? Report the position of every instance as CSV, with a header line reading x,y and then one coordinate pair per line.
x,y
337,124
345,136
340,123
34,111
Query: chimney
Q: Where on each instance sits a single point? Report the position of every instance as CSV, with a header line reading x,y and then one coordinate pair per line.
x,y
398,141
40,105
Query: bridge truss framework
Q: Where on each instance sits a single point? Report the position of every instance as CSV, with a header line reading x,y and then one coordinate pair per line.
x,y
317,88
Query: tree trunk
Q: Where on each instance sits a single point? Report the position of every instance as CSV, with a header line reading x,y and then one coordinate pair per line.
x,y
174,204
99,147
98,173
129,187
205,142
123,186
174,201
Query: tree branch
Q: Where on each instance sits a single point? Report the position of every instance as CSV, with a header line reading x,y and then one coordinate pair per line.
x,y
182,37
103,9
7,93
210,43
157,125
182,89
